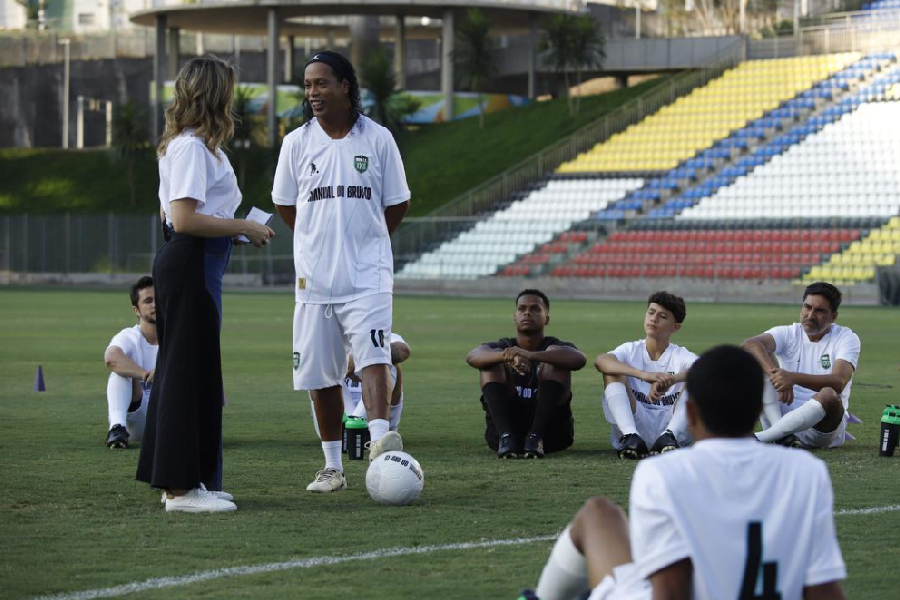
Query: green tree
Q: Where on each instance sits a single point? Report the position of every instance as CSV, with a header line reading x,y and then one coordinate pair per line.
x,y
572,42
130,139
475,58
245,128
388,107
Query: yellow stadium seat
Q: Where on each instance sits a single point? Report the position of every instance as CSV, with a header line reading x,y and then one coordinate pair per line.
x,y
677,131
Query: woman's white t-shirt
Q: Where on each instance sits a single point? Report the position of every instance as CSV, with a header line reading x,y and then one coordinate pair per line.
x,y
189,170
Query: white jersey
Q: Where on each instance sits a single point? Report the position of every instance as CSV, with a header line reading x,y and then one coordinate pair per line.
x,y
189,170
342,249
352,390
726,505
675,359
795,352
136,347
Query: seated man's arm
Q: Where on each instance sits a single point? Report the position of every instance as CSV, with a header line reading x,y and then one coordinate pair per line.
x,y
761,347
119,363
485,357
564,357
608,364
826,591
399,352
837,380
673,582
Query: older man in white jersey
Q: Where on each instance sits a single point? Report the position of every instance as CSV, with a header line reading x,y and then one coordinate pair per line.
x,y
131,360
711,522
644,395
340,185
810,368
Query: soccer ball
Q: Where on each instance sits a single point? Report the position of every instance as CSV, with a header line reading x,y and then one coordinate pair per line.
x,y
395,478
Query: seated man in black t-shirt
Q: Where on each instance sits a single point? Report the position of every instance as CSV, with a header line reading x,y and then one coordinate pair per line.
x,y
526,384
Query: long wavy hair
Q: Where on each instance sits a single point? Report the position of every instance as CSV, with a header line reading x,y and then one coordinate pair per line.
x,y
204,94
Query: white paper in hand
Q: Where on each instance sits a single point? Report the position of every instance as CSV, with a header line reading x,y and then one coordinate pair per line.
x,y
260,216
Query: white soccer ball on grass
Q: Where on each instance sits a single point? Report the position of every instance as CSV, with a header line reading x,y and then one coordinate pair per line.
x,y
395,478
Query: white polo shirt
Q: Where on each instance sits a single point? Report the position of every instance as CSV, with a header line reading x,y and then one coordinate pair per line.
x,y
724,504
795,352
342,249
189,170
136,347
674,359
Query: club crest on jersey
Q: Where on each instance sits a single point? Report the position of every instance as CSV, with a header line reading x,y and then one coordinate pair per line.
x,y
296,361
361,163
825,361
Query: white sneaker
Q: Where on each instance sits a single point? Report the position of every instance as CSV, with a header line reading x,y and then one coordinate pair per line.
x,y
390,442
198,500
217,493
328,480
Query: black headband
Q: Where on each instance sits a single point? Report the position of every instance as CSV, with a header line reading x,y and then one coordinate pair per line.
x,y
335,61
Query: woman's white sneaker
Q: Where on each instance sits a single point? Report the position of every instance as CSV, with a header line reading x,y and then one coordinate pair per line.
x,y
217,493
198,500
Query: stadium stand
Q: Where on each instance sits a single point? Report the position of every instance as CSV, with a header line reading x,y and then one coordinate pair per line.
x,y
858,262
696,121
518,229
881,5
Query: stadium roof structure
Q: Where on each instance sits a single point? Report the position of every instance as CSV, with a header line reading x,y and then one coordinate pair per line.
x,y
285,18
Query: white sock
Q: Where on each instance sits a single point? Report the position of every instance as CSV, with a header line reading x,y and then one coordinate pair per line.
x,y
620,407
359,411
678,423
332,452
118,399
800,419
377,428
771,406
396,410
565,575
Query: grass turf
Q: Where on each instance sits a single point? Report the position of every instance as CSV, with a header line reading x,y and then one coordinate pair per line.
x,y
72,517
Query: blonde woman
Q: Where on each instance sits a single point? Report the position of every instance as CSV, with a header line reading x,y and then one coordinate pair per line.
x,y
198,194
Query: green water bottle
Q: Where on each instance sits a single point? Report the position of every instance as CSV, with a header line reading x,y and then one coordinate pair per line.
x,y
890,430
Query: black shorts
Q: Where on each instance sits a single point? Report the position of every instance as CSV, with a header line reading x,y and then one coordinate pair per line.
x,y
560,432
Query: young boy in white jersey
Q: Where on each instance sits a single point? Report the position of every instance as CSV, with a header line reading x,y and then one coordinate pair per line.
x,y
131,360
711,522
809,366
340,185
351,387
644,396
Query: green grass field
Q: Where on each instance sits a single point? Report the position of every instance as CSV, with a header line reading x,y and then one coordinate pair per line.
x,y
73,519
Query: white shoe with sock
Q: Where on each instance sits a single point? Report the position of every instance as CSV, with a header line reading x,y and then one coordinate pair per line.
x,y
198,500
327,480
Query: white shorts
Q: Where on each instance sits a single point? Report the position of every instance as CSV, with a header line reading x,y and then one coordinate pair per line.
x,y
819,439
624,584
814,438
324,334
136,420
650,423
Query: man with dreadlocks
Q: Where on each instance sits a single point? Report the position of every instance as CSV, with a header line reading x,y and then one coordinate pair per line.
x,y
340,185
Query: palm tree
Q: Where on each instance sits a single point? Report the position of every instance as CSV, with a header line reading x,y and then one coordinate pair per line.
x,y
129,138
587,50
245,127
573,42
388,107
475,58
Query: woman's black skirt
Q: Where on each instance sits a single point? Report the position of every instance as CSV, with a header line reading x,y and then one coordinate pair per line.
x,y
183,435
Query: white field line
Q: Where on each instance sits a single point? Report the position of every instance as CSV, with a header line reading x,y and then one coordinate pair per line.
x,y
325,561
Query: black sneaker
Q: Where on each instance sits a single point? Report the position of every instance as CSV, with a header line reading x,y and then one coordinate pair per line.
x,y
117,438
508,447
632,447
791,441
665,443
534,446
